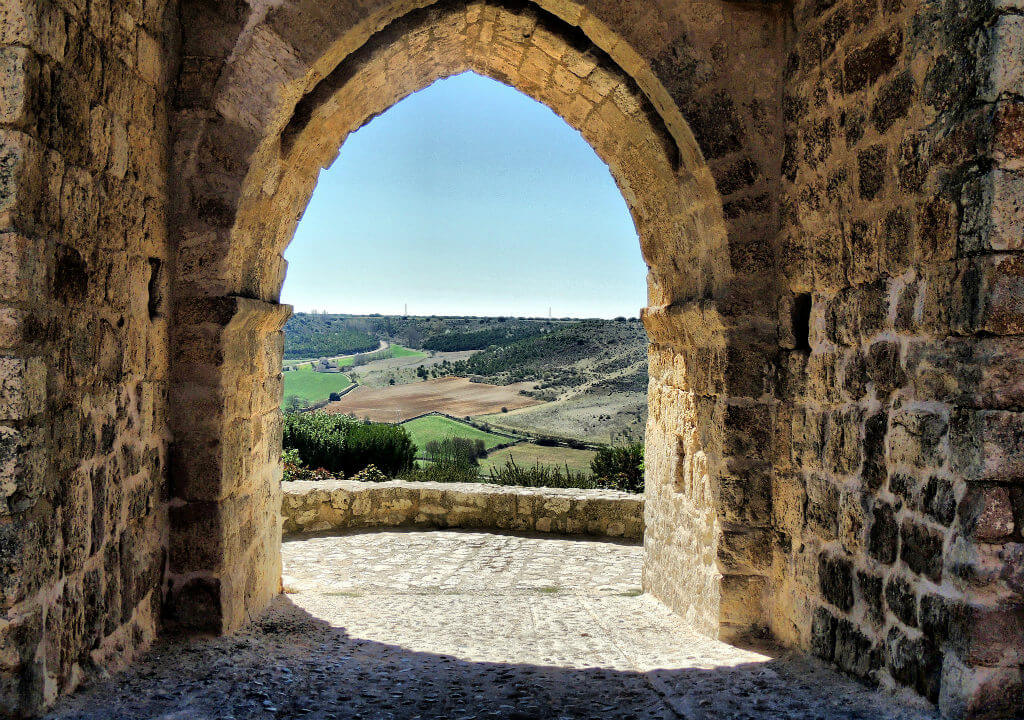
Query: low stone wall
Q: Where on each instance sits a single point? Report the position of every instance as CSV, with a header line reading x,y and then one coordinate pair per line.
x,y
317,506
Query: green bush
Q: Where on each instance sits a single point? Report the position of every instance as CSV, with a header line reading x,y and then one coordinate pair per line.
x,y
345,446
620,466
539,475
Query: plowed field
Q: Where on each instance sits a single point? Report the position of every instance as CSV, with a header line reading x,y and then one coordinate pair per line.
x,y
452,395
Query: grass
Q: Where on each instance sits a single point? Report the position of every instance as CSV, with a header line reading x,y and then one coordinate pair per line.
x,y
437,427
528,454
311,386
398,351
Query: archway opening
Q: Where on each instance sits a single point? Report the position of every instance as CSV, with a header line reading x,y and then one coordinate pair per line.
x,y
228,292
481,210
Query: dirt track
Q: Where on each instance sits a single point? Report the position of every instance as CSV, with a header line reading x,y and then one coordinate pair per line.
x,y
452,395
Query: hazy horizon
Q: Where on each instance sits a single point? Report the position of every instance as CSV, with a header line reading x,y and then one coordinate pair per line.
x,y
467,199
469,316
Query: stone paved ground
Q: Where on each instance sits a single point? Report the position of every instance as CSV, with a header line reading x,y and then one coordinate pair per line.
x,y
472,626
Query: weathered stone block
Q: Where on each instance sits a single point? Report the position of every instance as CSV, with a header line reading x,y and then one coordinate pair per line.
x,y
835,579
855,653
823,634
915,663
938,499
900,598
921,549
989,295
917,438
993,205
868,63
883,534
986,444
869,591
986,513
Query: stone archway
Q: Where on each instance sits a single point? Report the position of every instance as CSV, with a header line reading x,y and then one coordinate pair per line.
x,y
244,184
834,240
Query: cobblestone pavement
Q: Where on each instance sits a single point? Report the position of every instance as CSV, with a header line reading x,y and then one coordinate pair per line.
x,y
472,626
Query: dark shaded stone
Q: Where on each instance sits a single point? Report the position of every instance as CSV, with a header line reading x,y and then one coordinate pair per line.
x,y
939,500
883,534
921,549
895,237
737,176
70,275
869,588
823,634
855,652
112,593
893,101
95,608
914,663
874,470
869,62
854,128
884,368
872,166
855,379
935,229
911,165
904,320
835,578
904,487
938,616
716,125
899,596
99,508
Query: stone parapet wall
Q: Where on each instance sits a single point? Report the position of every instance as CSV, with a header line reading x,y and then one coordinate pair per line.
x,y
312,506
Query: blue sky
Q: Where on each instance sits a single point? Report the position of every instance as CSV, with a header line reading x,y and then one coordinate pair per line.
x,y
467,198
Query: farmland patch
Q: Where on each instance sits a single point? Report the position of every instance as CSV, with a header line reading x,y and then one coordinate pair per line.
x,y
450,395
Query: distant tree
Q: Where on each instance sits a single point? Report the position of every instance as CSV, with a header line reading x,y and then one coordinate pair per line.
x,y
294,403
413,337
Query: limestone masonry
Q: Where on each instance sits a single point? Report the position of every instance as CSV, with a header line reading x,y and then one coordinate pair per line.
x,y
829,195
312,506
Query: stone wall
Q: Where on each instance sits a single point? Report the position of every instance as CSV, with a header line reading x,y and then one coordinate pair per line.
x,y
897,450
83,337
320,506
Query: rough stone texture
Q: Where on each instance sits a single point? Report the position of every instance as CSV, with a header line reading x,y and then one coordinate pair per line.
x,y
469,625
898,202
83,338
319,506
828,196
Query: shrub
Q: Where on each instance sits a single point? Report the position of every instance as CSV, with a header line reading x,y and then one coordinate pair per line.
x,y
622,466
341,445
541,476
370,474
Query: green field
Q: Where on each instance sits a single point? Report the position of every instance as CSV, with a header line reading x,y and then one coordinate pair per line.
x,y
437,427
313,387
395,351
528,455
398,351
